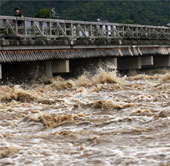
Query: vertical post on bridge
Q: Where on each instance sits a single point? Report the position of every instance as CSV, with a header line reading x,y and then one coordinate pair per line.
x,y
6,27
25,28
162,61
49,72
32,28
49,29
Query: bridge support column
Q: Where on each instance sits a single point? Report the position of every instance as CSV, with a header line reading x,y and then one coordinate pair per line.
x,y
49,69
61,66
0,71
129,62
147,61
162,61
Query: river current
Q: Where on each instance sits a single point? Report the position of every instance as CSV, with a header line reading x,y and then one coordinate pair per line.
x,y
99,120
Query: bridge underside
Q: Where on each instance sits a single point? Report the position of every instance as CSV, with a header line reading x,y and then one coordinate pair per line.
x,y
46,58
49,61
25,55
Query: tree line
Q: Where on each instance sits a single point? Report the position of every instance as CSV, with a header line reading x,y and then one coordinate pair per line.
x,y
133,12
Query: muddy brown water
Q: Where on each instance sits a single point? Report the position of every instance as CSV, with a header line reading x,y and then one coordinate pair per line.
x,y
100,120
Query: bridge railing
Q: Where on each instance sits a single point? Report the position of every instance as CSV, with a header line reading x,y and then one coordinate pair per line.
x,y
54,28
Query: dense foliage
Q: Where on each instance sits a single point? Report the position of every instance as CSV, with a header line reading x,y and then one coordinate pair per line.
x,y
44,13
122,11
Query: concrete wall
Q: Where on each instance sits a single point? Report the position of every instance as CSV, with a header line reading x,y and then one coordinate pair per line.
x,y
92,65
162,61
147,61
61,66
24,71
49,72
129,62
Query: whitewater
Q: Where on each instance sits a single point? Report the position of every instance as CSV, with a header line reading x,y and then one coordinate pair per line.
x,y
93,120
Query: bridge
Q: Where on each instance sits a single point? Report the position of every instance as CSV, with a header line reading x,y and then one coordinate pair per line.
x,y
58,46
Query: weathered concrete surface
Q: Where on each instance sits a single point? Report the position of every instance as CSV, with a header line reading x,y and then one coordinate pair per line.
x,y
88,65
17,50
49,72
122,54
79,42
60,53
25,71
162,61
61,66
129,63
147,60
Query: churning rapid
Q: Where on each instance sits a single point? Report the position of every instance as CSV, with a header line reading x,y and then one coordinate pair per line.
x,y
100,120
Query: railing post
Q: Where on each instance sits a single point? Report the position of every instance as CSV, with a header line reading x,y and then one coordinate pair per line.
x,y
72,31
107,31
32,28
5,24
41,26
91,31
49,28
64,29
123,31
57,32
25,28
16,27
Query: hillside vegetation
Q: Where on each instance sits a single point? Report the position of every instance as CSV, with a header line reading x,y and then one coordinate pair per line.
x,y
135,12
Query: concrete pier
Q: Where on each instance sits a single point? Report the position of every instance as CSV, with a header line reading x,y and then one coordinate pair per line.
x,y
147,61
49,72
61,66
23,71
162,61
129,62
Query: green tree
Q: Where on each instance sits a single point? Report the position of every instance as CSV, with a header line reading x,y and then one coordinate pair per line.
x,y
139,11
43,13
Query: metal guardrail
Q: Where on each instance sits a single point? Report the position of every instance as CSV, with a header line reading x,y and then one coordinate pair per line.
x,y
54,28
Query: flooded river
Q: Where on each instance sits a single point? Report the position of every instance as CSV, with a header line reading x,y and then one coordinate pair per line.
x,y
100,120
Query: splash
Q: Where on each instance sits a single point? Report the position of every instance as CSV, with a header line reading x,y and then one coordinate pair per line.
x,y
144,112
53,120
18,94
87,116
144,77
165,78
108,104
5,151
85,81
106,77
